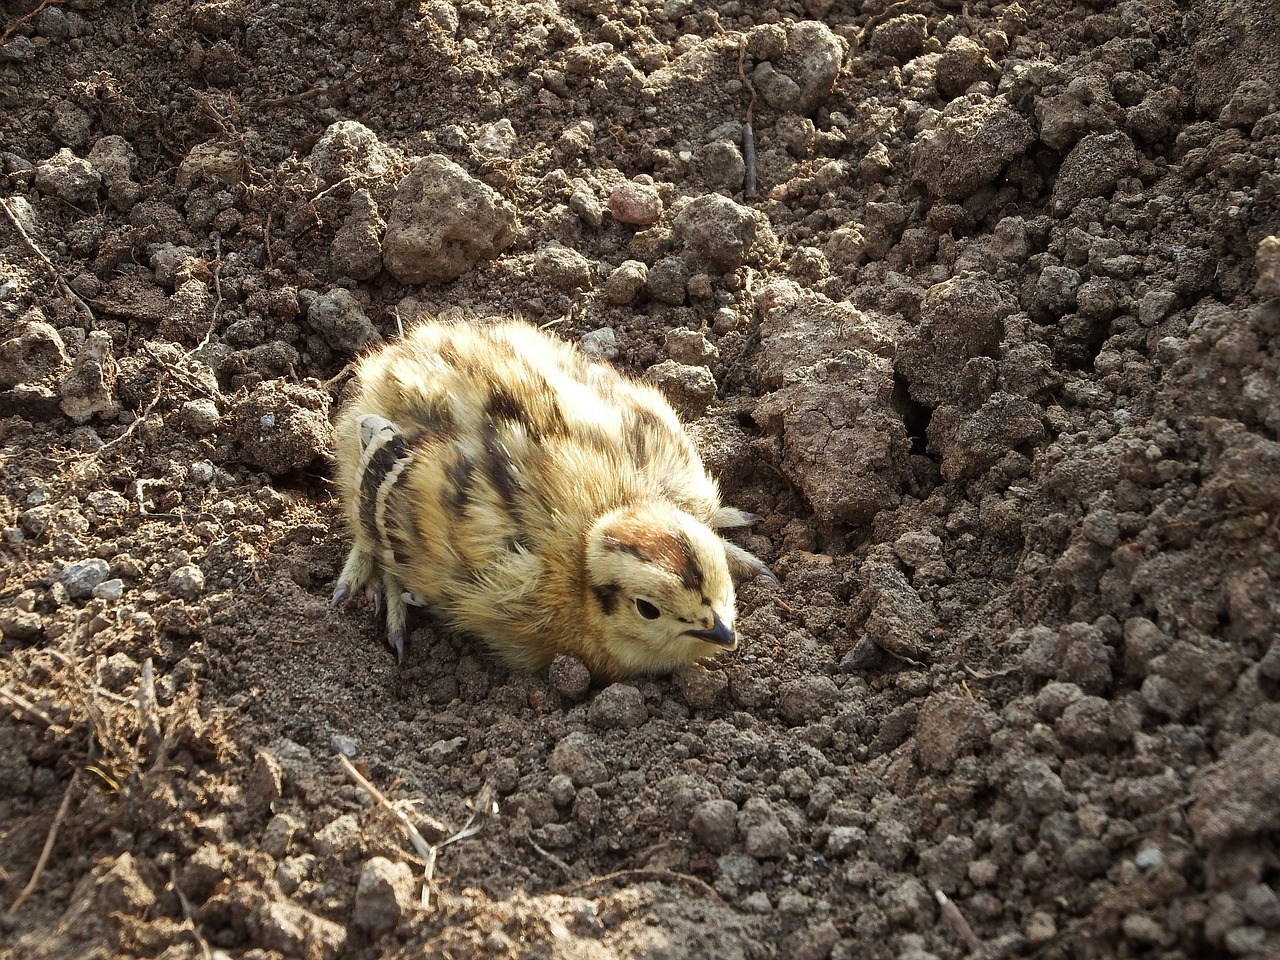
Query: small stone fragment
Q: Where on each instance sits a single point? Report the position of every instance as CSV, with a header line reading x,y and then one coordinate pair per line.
x,y
635,202
88,390
975,139
618,706
690,389
764,835
68,177
625,281
82,576
282,426
443,222
714,824
35,354
575,757
563,267
338,317
348,150
356,251
807,699
187,581
384,896
570,677
723,234
601,343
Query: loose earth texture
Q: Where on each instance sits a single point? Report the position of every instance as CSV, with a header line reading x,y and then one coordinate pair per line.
x,y
981,314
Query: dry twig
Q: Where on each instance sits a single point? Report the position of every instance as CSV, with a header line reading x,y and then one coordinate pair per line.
x,y
481,807
31,244
648,873
49,841
955,919
22,703
748,127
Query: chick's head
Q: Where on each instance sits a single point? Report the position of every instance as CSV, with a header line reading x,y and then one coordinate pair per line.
x,y
660,581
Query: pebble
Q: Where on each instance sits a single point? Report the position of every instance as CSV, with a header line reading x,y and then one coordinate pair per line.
x,y
443,222
807,699
70,178
625,281
575,757
714,824
187,581
618,706
82,576
111,589
764,835
570,677
338,317
384,896
636,203
339,837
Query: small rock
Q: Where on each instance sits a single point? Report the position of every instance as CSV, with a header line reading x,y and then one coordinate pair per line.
x,y
112,589
1235,797
82,576
690,389
35,354
601,344
1038,788
356,251
443,221
282,426
764,835
88,390
570,677
625,281
701,688
201,415
575,757
341,837
690,347
635,202
974,141
68,177
619,705
668,281
723,234
714,824
384,896
807,699
187,581
349,150
284,926
563,267
338,317
264,785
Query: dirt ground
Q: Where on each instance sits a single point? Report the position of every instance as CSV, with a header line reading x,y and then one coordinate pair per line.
x,y
977,304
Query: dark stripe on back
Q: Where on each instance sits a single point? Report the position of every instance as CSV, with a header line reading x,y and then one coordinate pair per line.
x,y
460,474
428,420
500,469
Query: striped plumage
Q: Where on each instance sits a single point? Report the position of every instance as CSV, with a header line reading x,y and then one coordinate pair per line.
x,y
535,499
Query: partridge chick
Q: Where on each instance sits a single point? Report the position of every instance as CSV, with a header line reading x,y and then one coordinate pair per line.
x,y
535,499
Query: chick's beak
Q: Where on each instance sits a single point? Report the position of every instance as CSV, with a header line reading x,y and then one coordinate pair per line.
x,y
719,633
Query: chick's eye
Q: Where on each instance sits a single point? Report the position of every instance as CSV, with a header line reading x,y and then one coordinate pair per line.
x,y
647,609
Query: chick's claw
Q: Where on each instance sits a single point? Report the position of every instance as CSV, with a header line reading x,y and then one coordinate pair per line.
x,y
395,640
